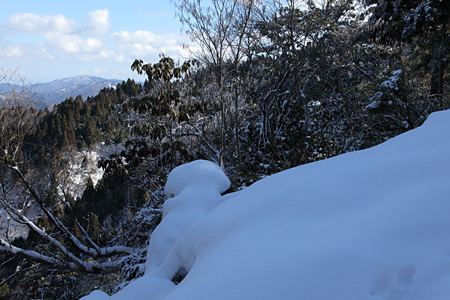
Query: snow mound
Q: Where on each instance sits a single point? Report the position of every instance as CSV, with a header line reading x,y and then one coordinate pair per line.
x,y
197,173
367,225
196,189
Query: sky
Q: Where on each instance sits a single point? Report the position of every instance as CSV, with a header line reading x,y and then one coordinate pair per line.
x,y
47,40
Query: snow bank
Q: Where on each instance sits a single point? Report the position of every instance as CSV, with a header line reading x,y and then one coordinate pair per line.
x,y
367,225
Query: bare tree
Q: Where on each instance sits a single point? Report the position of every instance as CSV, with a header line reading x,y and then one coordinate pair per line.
x,y
15,112
219,30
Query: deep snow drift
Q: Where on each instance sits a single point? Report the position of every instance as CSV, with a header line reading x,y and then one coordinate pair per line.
x,y
372,224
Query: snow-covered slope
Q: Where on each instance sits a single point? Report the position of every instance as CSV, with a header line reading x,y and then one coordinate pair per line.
x,y
366,225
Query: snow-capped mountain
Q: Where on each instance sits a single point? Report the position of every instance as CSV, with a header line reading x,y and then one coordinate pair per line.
x,y
60,89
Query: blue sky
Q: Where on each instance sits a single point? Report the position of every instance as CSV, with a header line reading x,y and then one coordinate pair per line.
x,y
47,40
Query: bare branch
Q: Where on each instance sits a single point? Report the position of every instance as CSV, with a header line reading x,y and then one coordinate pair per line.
x,y
97,251
88,267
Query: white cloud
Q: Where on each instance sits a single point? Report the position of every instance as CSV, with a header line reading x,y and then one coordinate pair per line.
x,y
139,36
11,51
21,50
42,52
61,33
145,43
99,71
93,44
120,58
98,22
35,24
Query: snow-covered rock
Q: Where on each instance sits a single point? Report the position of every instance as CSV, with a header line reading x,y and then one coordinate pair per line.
x,y
367,225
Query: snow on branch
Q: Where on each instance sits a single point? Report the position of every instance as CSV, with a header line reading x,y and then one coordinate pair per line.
x,y
88,267
94,250
86,258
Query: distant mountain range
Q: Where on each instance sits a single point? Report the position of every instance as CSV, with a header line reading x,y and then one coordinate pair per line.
x,y
54,92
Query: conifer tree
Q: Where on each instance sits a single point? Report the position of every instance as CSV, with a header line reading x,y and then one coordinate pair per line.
x,y
424,26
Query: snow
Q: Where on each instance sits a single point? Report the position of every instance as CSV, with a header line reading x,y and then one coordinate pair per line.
x,y
375,101
366,225
90,170
82,165
200,173
374,104
98,295
195,188
392,82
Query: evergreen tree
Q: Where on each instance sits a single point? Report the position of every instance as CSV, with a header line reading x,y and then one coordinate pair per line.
x,y
424,26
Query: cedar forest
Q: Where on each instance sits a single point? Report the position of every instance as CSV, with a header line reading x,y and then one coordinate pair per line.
x,y
275,85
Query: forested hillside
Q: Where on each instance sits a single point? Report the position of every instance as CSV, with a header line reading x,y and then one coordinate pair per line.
x,y
276,84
